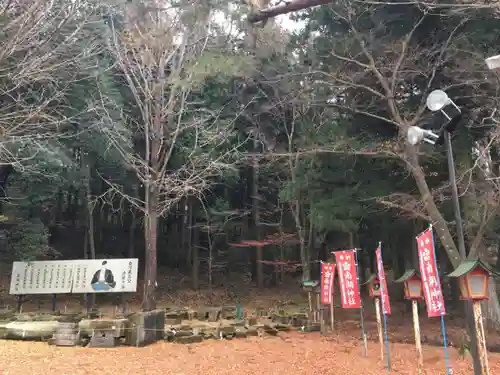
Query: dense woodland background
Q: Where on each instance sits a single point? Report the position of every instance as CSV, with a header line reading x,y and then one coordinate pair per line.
x,y
175,131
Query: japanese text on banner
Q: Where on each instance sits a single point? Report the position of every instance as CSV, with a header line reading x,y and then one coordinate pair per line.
x,y
327,281
386,305
430,278
348,279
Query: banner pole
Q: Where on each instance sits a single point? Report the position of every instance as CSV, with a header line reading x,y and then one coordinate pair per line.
x,y
443,329
361,302
381,265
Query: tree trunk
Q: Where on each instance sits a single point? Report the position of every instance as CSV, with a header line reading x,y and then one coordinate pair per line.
x,y
491,307
188,234
282,246
304,257
85,256
150,237
90,216
131,235
256,220
437,219
195,273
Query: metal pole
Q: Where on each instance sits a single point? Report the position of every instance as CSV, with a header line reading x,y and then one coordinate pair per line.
x,y
461,248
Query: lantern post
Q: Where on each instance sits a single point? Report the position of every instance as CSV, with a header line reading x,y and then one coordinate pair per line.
x,y
310,287
413,291
373,284
473,278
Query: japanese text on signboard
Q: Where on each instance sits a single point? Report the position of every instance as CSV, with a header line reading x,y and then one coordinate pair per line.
x,y
386,305
74,276
348,279
430,278
327,280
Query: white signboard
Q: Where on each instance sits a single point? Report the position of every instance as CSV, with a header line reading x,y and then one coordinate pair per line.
x,y
43,277
105,276
74,276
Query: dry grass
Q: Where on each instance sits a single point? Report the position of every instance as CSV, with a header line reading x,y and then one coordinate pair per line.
x,y
290,354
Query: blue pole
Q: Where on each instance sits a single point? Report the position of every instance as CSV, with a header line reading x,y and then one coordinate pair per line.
x,y
443,329
361,301
381,268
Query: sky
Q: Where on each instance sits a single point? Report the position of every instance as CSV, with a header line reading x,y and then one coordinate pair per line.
x,y
285,21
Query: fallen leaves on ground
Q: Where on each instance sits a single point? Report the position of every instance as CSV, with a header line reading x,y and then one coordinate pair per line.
x,y
290,354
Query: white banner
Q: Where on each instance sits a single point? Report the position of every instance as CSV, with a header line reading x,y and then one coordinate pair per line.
x,y
105,276
43,277
74,276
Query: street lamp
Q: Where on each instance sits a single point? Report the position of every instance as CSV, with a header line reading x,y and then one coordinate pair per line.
x,y
493,62
437,101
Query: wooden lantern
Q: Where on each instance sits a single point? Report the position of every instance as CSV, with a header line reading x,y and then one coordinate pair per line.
x,y
473,277
310,286
412,284
373,284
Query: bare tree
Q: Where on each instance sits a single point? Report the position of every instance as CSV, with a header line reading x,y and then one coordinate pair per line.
x,y
178,143
44,46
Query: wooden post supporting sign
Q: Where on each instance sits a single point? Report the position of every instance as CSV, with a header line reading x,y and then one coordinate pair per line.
x,y
478,319
379,327
332,314
418,342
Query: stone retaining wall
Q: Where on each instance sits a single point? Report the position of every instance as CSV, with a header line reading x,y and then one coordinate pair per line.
x,y
142,328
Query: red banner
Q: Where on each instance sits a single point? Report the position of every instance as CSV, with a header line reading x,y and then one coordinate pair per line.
x,y
348,279
327,281
430,278
386,305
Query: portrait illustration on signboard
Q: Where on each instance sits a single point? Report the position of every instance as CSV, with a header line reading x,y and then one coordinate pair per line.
x,y
103,279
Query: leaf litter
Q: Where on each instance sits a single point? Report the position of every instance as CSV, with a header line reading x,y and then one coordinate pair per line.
x,y
290,354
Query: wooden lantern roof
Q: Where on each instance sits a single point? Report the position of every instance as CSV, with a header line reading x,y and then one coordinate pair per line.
x,y
310,283
469,265
407,275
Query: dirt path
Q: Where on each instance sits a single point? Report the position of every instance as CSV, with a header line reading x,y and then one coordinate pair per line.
x,y
290,354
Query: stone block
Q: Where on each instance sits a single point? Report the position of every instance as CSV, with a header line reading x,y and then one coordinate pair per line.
x,y
240,332
228,312
102,339
31,330
251,321
252,331
209,333
172,321
299,320
145,328
115,327
281,319
282,327
182,332
238,323
212,314
314,327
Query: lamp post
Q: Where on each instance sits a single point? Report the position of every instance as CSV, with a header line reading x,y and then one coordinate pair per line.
x,y
493,62
437,101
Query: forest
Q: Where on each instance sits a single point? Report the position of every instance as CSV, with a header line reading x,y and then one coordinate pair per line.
x,y
182,134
